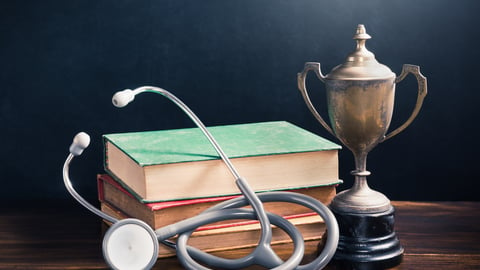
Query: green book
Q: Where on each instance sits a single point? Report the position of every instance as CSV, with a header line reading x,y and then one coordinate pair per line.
x,y
182,164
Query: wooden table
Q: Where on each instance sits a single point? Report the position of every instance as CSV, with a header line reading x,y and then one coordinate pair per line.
x,y
437,235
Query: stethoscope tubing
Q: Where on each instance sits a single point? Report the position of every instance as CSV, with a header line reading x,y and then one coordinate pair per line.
x,y
288,197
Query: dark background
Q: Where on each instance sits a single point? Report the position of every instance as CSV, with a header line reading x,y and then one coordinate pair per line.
x,y
232,62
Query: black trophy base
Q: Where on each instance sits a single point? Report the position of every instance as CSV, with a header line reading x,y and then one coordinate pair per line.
x,y
367,241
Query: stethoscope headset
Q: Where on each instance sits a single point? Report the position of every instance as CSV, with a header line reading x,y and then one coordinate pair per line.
x,y
132,244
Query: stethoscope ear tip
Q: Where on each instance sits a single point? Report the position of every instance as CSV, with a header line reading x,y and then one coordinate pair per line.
x,y
80,142
121,98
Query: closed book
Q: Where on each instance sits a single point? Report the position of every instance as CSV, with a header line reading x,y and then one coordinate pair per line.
x,y
238,235
159,214
182,164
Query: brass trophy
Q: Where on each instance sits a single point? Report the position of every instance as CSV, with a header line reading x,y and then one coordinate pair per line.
x,y
360,100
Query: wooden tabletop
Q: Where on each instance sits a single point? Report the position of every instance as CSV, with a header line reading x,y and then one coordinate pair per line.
x,y
436,235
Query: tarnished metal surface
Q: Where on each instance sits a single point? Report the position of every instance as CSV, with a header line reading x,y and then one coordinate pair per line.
x,y
360,98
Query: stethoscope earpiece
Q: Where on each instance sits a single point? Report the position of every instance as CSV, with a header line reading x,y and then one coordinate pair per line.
x,y
122,98
80,142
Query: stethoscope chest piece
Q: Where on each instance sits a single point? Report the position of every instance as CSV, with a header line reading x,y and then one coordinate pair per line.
x,y
130,244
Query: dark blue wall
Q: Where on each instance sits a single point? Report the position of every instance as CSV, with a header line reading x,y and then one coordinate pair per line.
x,y
231,62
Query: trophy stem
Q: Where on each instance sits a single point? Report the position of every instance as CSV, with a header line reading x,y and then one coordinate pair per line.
x,y
360,171
360,198
360,183
360,162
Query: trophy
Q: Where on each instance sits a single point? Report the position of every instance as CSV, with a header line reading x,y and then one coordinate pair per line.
x,y
360,99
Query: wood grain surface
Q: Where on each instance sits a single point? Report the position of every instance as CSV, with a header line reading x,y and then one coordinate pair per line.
x,y
435,235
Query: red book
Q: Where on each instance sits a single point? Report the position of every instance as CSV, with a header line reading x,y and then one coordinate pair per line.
x,y
160,214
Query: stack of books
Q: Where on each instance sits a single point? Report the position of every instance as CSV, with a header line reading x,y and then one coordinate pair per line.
x,y
162,177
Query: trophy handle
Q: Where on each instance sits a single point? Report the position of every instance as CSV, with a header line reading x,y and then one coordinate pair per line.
x,y
422,92
315,67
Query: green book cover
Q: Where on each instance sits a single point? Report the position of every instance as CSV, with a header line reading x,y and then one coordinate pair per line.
x,y
241,140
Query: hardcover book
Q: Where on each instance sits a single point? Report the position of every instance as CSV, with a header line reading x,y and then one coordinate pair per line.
x,y
159,214
181,164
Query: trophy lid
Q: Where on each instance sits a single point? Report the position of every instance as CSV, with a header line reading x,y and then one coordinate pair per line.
x,y
361,63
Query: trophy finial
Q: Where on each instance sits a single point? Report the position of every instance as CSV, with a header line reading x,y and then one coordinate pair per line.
x,y
361,33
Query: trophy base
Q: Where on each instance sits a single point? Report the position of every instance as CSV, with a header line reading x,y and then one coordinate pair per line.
x,y
367,241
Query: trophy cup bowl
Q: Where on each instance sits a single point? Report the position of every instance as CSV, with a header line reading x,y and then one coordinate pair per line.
x,y
360,99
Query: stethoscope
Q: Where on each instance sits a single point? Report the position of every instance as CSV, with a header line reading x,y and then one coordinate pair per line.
x,y
132,244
